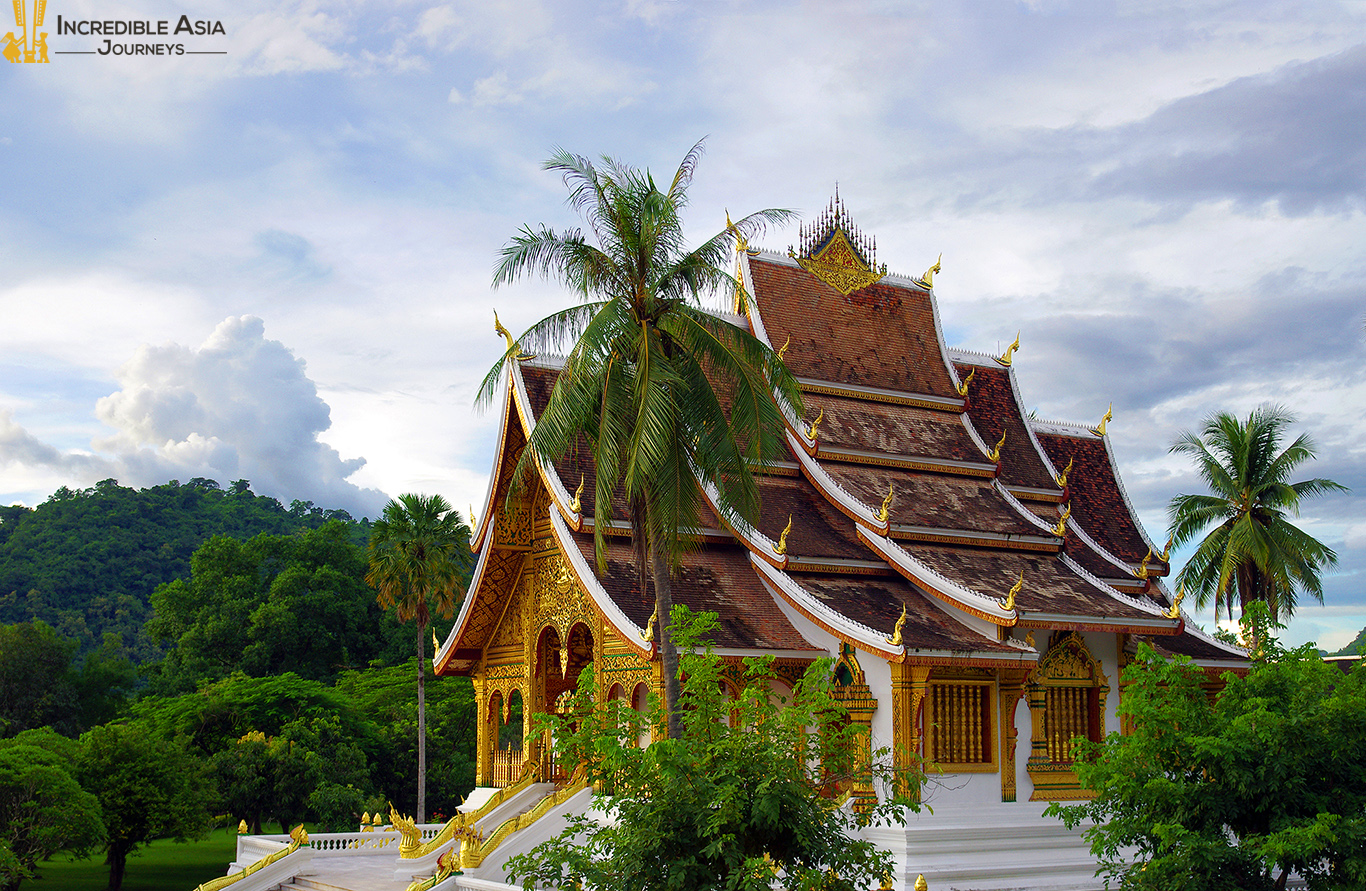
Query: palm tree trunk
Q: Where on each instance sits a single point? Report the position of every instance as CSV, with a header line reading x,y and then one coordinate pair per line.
x,y
421,724
668,654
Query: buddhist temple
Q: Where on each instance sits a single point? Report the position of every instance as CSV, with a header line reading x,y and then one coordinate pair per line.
x,y
979,577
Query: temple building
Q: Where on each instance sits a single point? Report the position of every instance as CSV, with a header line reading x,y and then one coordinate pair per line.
x,y
979,577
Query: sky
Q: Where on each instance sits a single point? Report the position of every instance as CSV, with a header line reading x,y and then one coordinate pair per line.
x,y
270,257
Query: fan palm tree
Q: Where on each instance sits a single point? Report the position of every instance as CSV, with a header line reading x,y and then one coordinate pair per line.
x,y
663,392
1254,552
419,557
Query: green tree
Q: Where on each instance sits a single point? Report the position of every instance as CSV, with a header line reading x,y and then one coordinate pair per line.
x,y
43,809
1232,793
741,800
1253,551
148,787
36,686
419,564
663,391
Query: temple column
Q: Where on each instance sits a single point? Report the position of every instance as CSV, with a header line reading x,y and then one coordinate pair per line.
x,y
909,683
1012,684
485,736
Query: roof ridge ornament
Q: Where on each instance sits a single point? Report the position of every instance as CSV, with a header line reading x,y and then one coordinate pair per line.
x,y
781,547
1009,603
1175,611
815,425
648,635
995,454
884,511
1099,429
1167,550
1061,479
963,387
1004,359
834,250
1142,572
513,350
895,639
1061,529
782,350
576,506
928,278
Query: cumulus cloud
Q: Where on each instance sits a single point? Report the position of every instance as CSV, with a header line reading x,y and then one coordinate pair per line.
x,y
239,406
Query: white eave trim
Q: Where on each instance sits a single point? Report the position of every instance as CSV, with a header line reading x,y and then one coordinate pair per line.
x,y
899,396
826,483
476,536
987,607
752,537
1143,604
558,493
476,579
625,628
781,584
1024,511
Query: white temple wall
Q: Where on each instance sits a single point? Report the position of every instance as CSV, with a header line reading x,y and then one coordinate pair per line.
x,y
1104,646
1024,741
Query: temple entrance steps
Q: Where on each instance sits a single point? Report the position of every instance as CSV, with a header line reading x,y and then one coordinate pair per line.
x,y
989,847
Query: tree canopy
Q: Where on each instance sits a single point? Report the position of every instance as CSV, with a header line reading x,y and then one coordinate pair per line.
x,y
43,808
1235,791
1253,551
663,391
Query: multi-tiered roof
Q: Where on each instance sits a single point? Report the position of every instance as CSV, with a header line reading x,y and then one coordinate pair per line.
x,y
920,514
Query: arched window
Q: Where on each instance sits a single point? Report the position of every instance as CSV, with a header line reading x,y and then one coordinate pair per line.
x,y
1067,693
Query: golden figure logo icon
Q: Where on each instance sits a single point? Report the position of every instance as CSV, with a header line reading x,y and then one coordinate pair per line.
x,y
28,44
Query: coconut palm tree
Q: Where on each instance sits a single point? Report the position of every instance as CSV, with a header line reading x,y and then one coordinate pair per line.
x,y
419,556
1254,551
663,392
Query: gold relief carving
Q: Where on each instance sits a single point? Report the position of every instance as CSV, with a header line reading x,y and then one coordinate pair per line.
x,y
1067,694
514,524
840,267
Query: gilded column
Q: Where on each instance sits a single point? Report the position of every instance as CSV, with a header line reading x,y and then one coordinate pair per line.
x,y
484,734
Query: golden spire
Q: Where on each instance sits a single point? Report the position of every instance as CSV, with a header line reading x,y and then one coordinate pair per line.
x,y
815,425
474,524
740,243
649,634
1009,603
1167,550
921,884
781,547
995,454
895,639
242,828
782,350
1010,350
1099,430
436,644
928,277
963,387
883,512
1062,477
1175,611
513,349
1061,529
577,504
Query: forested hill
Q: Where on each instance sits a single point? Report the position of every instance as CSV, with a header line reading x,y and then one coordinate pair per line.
x,y
86,561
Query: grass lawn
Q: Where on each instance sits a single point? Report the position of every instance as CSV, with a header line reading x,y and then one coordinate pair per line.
x,y
161,866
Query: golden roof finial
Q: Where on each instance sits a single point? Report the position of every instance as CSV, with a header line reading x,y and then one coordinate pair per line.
x,y
1099,429
299,834
781,547
782,350
1167,550
474,524
928,277
1009,603
513,349
1062,477
740,242
815,425
649,634
995,454
242,828
1175,611
884,511
1142,571
577,504
921,884
963,387
1004,359
895,639
1029,639
436,644
1061,529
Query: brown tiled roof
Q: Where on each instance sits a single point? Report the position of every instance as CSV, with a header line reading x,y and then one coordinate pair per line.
x,y
938,500
881,336
818,529
1049,585
716,577
1189,644
992,407
1096,500
877,602
901,430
